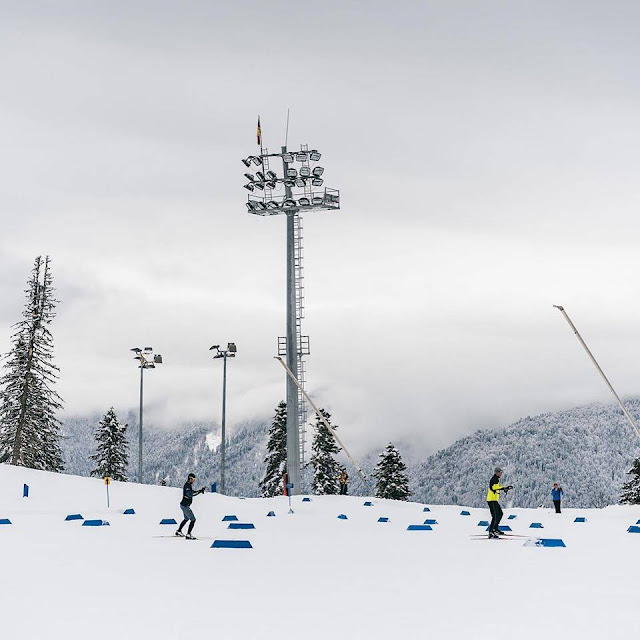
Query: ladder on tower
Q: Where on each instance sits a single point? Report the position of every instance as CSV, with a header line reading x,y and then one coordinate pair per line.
x,y
303,341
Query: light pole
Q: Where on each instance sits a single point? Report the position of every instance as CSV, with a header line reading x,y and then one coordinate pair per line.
x,y
229,352
147,360
297,189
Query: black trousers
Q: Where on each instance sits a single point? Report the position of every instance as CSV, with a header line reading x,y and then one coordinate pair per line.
x,y
557,504
496,514
343,489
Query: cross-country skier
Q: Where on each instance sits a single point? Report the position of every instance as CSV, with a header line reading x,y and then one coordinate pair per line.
x,y
343,479
493,495
556,496
185,504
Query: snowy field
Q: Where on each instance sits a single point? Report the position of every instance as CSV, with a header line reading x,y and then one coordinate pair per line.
x,y
309,575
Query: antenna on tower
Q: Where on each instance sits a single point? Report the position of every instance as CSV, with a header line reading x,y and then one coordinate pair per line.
x,y
286,131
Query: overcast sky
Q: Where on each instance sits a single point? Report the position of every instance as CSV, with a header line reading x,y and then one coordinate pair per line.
x,y
487,155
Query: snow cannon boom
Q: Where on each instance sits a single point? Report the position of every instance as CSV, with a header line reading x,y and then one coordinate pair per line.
x,y
324,420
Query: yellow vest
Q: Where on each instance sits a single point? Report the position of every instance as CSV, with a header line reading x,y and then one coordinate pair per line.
x,y
494,492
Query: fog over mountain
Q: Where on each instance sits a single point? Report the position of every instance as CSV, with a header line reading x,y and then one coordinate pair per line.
x,y
587,449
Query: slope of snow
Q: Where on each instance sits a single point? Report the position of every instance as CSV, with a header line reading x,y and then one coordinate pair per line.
x,y
309,575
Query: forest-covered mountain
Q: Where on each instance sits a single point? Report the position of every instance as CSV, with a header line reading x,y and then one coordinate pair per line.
x,y
175,452
588,450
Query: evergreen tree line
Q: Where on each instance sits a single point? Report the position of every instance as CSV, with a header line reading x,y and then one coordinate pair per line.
x,y
391,477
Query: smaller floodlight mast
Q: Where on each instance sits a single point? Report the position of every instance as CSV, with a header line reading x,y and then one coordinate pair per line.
x,y
146,360
229,352
292,193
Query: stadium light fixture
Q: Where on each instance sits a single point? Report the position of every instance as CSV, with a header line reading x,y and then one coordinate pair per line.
x,y
300,184
147,360
229,352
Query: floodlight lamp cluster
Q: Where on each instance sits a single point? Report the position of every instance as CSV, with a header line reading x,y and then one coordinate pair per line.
x,y
264,182
146,357
229,352
293,177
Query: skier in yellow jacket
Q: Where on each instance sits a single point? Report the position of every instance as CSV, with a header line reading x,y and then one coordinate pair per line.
x,y
493,495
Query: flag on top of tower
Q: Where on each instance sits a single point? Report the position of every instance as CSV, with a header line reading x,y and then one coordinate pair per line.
x,y
259,133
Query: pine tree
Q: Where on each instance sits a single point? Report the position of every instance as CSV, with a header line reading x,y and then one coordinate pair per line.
x,y
112,455
392,481
29,429
325,468
276,460
631,489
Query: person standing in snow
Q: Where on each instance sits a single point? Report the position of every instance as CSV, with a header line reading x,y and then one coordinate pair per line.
x,y
493,495
556,496
343,479
185,504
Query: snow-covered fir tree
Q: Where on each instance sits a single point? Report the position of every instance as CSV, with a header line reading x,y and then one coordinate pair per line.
x,y
631,488
276,460
392,481
323,449
112,455
29,428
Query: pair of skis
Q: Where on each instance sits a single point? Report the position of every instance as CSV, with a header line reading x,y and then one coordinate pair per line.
x,y
502,536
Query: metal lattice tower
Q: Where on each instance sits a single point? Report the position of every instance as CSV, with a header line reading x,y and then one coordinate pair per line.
x,y
300,195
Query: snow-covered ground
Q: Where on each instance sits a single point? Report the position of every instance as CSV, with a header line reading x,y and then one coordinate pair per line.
x,y
309,575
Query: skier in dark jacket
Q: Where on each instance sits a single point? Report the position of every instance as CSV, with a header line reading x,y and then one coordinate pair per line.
x,y
556,496
185,504
493,495
343,480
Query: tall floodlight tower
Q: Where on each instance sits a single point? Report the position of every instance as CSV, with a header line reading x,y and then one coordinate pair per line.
x,y
294,191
